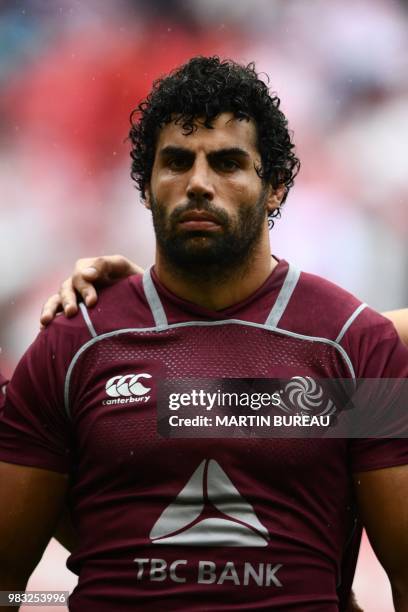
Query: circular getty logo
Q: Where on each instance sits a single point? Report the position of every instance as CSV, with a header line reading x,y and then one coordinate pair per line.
x,y
126,386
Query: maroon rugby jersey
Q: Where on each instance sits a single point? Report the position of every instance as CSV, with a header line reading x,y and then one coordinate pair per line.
x,y
200,524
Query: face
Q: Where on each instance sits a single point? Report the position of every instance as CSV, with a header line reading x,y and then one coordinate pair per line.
x,y
208,203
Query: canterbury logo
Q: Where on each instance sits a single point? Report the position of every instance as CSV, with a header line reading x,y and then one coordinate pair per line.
x,y
233,521
126,386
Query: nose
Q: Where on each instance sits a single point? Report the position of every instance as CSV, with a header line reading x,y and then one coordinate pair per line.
x,y
200,183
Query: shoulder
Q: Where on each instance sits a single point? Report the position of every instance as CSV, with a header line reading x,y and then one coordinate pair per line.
x,y
373,341
51,351
319,307
120,306
50,355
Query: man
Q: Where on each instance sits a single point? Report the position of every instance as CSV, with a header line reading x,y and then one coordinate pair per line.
x,y
107,270
187,524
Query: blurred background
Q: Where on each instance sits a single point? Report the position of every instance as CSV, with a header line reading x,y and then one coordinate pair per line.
x,y
71,72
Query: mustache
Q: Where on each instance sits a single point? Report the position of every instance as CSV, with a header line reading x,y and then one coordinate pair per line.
x,y
201,204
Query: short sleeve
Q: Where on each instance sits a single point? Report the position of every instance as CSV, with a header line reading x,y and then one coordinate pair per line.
x,y
375,347
34,429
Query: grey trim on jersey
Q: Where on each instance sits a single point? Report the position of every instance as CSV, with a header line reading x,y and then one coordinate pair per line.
x,y
87,319
350,321
288,287
154,301
282,332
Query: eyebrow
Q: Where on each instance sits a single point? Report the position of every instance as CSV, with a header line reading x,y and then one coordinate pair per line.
x,y
178,151
172,150
229,152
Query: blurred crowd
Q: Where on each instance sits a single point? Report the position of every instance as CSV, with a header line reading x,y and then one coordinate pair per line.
x,y
71,72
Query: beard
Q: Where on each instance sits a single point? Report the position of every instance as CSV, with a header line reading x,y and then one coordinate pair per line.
x,y
209,255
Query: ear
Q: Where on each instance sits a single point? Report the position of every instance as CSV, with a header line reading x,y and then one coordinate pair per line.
x,y
275,197
147,199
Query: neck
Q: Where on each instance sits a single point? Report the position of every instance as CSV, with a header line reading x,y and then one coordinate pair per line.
x,y
216,293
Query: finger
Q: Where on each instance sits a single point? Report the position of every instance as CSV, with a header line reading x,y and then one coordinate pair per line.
x,y
90,271
118,266
50,309
79,283
68,298
101,270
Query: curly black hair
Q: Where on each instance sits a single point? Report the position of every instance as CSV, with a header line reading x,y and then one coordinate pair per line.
x,y
203,88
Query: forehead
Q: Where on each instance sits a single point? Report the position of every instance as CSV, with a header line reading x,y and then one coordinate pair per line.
x,y
227,131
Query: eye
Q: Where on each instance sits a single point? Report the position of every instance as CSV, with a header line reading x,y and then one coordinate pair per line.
x,y
228,165
178,163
